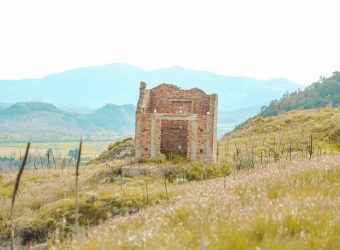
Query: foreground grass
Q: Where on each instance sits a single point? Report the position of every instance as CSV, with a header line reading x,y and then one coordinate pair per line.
x,y
282,206
46,200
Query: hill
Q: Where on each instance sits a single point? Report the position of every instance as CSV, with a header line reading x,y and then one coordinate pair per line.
x,y
119,84
276,136
25,108
33,118
281,206
285,205
4,105
119,118
320,94
43,121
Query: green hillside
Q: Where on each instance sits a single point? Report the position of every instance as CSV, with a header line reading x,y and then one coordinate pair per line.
x,y
34,118
325,92
288,130
119,118
45,122
29,107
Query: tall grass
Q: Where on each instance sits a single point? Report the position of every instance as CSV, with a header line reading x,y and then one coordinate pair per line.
x,y
281,206
294,134
165,184
16,188
76,188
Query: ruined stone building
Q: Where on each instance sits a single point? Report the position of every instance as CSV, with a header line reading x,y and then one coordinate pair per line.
x,y
169,119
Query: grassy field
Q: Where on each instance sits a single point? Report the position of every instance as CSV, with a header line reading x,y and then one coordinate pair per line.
x,y
286,205
90,149
41,215
283,205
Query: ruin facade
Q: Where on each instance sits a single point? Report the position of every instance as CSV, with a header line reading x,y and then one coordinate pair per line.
x,y
173,120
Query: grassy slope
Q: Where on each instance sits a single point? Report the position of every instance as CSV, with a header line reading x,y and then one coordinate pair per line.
x,y
287,205
46,199
294,127
282,206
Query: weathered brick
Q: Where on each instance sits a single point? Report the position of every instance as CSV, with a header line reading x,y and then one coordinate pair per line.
x,y
169,119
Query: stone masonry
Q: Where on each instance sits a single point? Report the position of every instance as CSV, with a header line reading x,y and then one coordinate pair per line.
x,y
169,119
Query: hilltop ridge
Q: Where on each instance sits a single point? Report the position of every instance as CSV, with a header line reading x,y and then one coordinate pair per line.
x,y
118,84
28,107
43,121
325,92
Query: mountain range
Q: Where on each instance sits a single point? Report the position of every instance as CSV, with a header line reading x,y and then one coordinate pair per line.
x,y
79,93
119,84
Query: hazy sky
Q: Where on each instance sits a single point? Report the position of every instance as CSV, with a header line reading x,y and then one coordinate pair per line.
x,y
295,39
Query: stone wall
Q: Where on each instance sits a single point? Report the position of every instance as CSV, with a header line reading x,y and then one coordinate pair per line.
x,y
169,119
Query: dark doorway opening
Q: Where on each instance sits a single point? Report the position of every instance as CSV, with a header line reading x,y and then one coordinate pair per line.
x,y
174,138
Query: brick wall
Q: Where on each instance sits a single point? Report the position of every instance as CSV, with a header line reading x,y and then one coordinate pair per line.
x,y
167,98
174,136
169,119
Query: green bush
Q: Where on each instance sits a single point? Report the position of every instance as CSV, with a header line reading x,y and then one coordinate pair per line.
x,y
196,171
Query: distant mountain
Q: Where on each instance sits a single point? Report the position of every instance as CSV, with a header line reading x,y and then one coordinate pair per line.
x,y
325,92
228,120
239,115
75,108
4,105
119,84
43,121
25,108
114,118
33,118
93,87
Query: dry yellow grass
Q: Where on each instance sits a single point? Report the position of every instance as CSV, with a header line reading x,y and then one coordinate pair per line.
x,y
292,128
46,199
282,206
61,149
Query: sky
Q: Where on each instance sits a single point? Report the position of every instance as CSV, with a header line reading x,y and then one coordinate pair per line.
x,y
294,39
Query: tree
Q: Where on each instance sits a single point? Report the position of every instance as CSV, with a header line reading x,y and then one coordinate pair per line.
x,y
73,153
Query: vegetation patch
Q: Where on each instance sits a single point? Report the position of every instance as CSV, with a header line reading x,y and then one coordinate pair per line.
x,y
323,93
261,139
286,205
41,215
118,150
